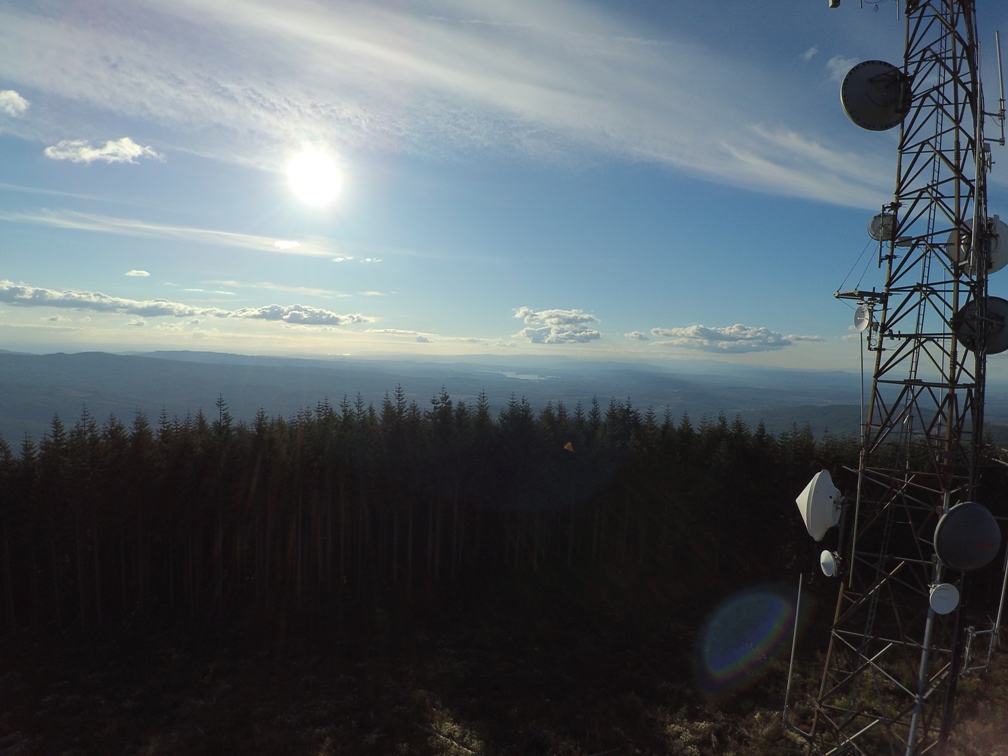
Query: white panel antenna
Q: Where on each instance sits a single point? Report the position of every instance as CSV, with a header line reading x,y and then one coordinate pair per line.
x,y
820,505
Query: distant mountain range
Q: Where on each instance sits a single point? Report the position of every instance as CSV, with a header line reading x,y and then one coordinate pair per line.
x,y
34,387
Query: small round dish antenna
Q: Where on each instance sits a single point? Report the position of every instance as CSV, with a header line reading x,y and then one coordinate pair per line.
x,y
953,250
966,325
880,227
967,537
828,563
875,95
819,505
862,318
944,598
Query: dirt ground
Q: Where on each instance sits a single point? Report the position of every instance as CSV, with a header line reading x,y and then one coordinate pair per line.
x,y
528,675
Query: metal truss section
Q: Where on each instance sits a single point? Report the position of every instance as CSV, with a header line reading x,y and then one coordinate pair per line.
x,y
888,684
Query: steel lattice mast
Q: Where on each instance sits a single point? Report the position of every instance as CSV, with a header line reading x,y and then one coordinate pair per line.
x,y
888,683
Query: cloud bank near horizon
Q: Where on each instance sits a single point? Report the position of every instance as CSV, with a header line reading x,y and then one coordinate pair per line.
x,y
734,339
21,295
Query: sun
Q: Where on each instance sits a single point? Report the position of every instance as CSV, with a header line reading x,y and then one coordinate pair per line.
x,y
313,177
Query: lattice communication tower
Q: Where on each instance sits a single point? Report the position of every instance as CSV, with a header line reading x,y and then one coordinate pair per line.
x,y
912,530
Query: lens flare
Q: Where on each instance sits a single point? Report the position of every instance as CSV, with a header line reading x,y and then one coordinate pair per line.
x,y
742,636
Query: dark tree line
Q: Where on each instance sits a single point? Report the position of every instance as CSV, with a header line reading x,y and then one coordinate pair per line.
x,y
340,507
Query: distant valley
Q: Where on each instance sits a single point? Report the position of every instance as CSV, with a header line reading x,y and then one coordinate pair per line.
x,y
35,387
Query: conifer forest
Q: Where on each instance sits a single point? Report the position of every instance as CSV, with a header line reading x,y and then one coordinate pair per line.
x,y
353,524
312,515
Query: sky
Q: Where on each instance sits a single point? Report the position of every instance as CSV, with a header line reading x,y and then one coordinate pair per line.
x,y
643,180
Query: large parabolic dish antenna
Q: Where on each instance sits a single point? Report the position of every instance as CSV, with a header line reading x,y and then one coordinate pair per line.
x,y
967,537
997,245
995,322
875,95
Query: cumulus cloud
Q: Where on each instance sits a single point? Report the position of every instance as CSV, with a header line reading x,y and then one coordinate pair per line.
x,y
341,259
299,315
57,319
139,322
123,150
33,296
735,339
557,326
838,66
423,339
636,336
286,244
21,295
11,103
137,273
810,53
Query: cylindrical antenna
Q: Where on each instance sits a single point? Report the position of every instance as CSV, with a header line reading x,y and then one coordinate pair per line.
x,y
1001,101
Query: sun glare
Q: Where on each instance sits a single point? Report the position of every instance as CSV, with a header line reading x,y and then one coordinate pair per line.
x,y
313,177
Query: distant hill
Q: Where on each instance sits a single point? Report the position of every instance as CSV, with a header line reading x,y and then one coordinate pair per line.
x,y
34,387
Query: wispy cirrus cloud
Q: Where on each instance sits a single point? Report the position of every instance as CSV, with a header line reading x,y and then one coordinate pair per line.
x,y
12,104
548,81
76,221
123,150
734,339
22,295
308,291
799,337
557,326
397,332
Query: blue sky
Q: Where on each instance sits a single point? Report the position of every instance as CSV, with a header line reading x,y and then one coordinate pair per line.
x,y
515,177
